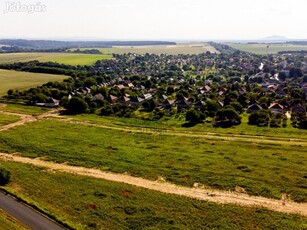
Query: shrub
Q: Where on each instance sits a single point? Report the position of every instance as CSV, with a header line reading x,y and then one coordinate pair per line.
x,y
5,177
77,105
302,124
261,118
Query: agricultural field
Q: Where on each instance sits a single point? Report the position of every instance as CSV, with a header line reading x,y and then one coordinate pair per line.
x,y
262,48
62,58
9,223
110,205
22,80
267,168
184,48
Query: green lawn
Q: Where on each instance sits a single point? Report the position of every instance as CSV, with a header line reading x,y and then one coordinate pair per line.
x,y
62,58
7,222
262,169
262,48
10,79
184,48
86,203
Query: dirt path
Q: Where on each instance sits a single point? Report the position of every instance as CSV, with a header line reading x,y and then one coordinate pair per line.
x,y
24,119
217,196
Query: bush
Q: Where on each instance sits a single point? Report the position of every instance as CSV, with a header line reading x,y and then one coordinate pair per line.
x,y
5,177
194,116
77,105
261,118
227,117
302,124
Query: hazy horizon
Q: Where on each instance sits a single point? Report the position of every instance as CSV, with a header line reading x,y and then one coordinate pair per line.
x,y
170,20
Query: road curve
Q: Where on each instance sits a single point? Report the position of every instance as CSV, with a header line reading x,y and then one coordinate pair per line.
x,y
26,215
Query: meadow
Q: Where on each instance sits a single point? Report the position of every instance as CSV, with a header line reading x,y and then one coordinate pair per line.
x,y
23,80
7,119
23,109
265,169
262,48
62,58
176,123
183,48
109,205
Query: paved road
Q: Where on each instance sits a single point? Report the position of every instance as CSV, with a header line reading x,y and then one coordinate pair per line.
x,y
26,215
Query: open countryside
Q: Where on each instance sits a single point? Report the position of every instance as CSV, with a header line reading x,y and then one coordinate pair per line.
x,y
181,48
62,58
267,48
22,80
153,115
134,212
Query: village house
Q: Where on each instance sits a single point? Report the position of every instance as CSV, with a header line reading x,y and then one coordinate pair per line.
x,y
254,108
276,108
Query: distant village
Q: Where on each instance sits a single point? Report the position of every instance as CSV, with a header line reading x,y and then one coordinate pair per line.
x,y
170,84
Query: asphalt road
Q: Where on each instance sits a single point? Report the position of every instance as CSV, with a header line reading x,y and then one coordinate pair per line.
x,y
26,215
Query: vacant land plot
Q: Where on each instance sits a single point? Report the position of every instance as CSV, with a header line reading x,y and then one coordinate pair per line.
x,y
109,205
23,109
62,58
262,48
22,80
184,48
261,169
175,123
7,119
7,222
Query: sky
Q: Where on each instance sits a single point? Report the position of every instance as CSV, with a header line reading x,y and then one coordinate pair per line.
x,y
153,20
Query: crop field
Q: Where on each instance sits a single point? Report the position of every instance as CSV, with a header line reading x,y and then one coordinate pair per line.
x,y
22,80
184,48
266,169
9,223
262,48
62,58
109,205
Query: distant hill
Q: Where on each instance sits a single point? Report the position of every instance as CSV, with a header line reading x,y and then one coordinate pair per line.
x,y
48,44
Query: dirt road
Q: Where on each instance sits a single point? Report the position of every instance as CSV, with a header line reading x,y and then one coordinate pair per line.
x,y
216,196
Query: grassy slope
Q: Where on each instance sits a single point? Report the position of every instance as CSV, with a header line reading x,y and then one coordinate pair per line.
x,y
262,169
22,80
86,203
188,48
7,222
262,48
63,58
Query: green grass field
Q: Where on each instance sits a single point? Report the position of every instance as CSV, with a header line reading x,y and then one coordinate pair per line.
x,y
184,48
22,80
262,169
175,123
7,222
62,58
23,109
86,203
7,119
262,48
